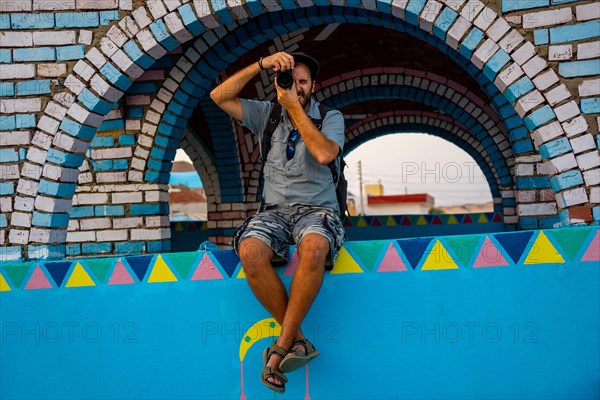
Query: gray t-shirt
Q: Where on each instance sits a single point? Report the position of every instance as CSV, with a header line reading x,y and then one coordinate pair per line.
x,y
301,180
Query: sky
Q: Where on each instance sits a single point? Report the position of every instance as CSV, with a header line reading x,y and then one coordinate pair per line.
x,y
415,163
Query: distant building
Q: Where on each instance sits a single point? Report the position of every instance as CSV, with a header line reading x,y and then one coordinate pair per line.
x,y
380,204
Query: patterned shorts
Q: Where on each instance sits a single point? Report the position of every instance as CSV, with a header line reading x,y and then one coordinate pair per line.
x,y
284,225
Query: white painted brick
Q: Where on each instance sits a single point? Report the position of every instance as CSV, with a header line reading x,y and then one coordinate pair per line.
x,y
15,6
589,88
127,65
138,163
173,4
51,70
561,164
592,177
428,15
11,106
15,138
27,187
113,176
588,50
511,41
16,39
126,4
6,204
471,10
457,32
42,139
90,198
17,71
157,196
38,235
74,84
498,29
150,234
53,38
104,89
158,105
566,111
149,44
133,125
111,236
142,153
24,203
73,225
582,143
534,66
157,221
52,205
85,178
36,155
524,169
557,94
61,174
562,52
81,236
135,176
103,154
132,197
586,12
484,52
595,194
528,102
20,219
129,26
148,128
86,37
117,36
175,26
157,9
575,126
141,17
524,53
84,116
98,5
89,224
48,124
54,5
69,143
588,160
107,46
64,98
571,197
528,159
96,57
547,133
16,236
485,19
237,9
135,222
84,70
546,79
536,209
547,18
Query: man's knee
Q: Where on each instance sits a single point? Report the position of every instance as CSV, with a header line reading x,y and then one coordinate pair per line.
x,y
314,247
254,254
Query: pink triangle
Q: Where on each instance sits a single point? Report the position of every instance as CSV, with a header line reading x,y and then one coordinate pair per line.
x,y
207,270
489,256
120,275
38,280
391,261
593,251
290,270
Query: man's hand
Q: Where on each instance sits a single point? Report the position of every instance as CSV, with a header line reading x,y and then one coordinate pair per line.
x,y
288,98
281,61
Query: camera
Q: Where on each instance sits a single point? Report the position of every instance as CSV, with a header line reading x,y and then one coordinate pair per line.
x,y
285,79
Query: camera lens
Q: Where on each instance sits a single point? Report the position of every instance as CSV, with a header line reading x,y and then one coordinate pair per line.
x,y
285,79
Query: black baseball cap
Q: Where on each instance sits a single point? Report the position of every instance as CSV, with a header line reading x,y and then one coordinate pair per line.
x,y
310,62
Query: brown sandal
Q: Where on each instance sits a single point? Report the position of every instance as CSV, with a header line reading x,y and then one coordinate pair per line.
x,y
273,372
295,359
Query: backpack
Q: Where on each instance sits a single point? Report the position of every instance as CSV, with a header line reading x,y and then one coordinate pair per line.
x,y
341,184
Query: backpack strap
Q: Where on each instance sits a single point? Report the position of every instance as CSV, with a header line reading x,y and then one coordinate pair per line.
x,y
274,118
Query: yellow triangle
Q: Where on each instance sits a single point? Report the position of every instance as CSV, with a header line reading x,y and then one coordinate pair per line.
x,y
452,220
345,264
390,222
361,222
79,277
3,284
161,272
542,252
178,227
439,258
241,274
482,219
421,221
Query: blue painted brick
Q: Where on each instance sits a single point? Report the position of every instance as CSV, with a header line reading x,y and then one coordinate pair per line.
x,y
112,125
25,121
135,112
549,222
94,103
5,21
46,252
155,247
9,155
566,180
539,117
443,23
590,105
35,54
190,20
65,159
56,188
163,36
570,33
522,147
597,141
512,5
81,212
518,89
579,68
126,140
596,213
3,221
5,56
27,88
533,182
109,211
77,20
138,56
470,43
130,247
107,16
32,20
528,223
121,165
8,123
564,217
555,148
541,36
73,249
115,76
413,9
96,248
102,165
225,17
74,52
50,220
6,188
77,130
518,134
495,64
148,209
142,88
103,141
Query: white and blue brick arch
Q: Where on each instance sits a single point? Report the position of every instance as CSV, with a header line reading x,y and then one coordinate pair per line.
x,y
87,142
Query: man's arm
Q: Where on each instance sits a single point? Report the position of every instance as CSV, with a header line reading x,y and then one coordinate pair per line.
x,y
226,94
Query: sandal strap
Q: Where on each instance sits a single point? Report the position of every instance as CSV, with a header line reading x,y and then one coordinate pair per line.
x,y
268,371
277,350
308,346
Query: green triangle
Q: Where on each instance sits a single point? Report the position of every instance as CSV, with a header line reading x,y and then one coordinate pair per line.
x,y
16,273
182,262
367,251
464,248
570,240
99,267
